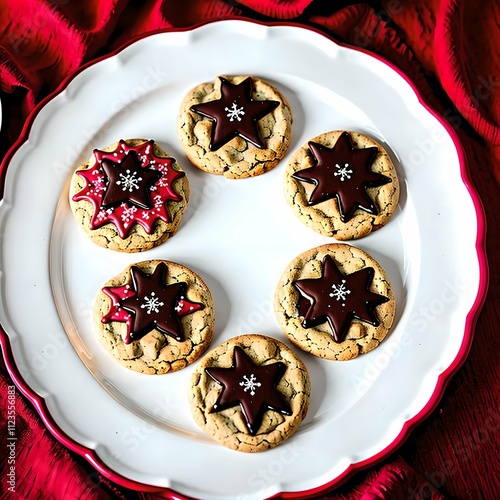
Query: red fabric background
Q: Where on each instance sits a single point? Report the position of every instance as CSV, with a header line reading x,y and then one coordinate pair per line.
x,y
449,48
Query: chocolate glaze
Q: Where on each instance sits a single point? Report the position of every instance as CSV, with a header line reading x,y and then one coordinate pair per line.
x,y
251,386
342,172
236,113
138,193
338,298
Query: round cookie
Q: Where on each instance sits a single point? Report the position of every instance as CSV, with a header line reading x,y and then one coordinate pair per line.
x,y
129,196
237,126
155,317
250,393
335,302
342,184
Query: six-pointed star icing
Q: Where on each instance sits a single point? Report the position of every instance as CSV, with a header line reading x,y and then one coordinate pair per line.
x,y
252,386
342,172
128,182
149,303
236,113
338,298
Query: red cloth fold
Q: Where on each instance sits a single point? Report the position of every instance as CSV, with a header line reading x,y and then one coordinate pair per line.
x,y
448,48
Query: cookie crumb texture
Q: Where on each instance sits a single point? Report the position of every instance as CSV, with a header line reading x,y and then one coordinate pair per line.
x,y
361,337
127,234
237,158
325,217
229,426
156,352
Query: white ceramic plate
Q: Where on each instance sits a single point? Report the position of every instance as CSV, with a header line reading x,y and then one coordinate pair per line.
x,y
239,236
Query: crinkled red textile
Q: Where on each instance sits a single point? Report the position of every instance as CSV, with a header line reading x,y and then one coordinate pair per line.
x,y
449,48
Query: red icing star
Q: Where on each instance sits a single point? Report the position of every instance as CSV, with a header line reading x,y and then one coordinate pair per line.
x,y
149,303
236,113
253,387
338,298
127,213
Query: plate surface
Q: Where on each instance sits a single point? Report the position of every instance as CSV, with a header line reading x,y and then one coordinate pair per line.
x,y
238,236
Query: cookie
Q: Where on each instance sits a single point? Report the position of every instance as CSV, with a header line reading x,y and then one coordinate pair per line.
x,y
335,302
237,126
155,317
129,196
342,184
250,393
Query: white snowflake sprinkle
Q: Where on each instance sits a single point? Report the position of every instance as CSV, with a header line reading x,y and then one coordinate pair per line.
x,y
129,181
152,304
102,214
250,384
340,292
99,185
179,306
343,171
234,113
161,167
145,214
163,182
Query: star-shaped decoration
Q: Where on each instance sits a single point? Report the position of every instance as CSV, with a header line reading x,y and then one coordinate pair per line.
x,y
338,298
128,182
236,113
149,303
126,214
342,172
251,386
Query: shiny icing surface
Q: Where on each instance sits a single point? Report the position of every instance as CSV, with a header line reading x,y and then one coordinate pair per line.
x,y
148,303
128,186
338,298
252,387
342,172
236,113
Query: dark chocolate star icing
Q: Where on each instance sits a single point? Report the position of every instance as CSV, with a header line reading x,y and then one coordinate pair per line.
x,y
155,305
251,386
338,298
236,113
343,172
128,182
